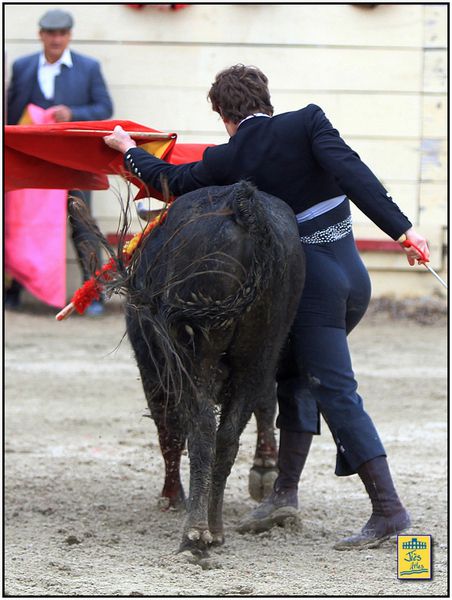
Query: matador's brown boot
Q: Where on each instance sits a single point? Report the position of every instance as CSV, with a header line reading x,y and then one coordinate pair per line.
x,y
389,516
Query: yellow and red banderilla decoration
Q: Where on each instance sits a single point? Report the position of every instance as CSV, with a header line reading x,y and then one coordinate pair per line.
x,y
92,288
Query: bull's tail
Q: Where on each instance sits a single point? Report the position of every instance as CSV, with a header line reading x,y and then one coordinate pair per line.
x,y
250,214
247,211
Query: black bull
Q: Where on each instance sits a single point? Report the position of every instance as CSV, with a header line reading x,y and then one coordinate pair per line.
x,y
211,296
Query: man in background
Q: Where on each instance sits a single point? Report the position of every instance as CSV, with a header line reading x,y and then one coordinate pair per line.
x,y
70,86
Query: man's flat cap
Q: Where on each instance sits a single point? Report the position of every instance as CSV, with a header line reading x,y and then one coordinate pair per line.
x,y
56,19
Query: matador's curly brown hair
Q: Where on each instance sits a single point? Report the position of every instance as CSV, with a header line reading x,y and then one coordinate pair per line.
x,y
240,91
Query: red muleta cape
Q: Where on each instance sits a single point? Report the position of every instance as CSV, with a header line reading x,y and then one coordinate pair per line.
x,y
73,155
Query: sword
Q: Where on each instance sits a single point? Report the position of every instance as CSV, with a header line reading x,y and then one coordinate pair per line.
x,y
423,260
433,272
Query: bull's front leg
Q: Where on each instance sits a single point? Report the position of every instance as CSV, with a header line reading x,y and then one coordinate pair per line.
x,y
196,535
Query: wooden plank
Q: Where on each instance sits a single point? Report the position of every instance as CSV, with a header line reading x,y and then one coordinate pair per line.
x,y
433,159
434,116
310,24
194,67
433,204
381,69
390,160
360,114
435,26
435,71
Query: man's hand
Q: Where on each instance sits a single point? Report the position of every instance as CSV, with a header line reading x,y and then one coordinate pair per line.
x,y
119,140
418,241
61,113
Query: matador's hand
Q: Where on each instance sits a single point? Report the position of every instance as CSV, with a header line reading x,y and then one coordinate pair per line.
x,y
119,140
419,243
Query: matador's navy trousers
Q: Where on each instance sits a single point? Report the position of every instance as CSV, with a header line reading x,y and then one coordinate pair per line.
x,y
335,297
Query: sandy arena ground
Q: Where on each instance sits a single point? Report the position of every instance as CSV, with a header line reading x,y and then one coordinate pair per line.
x,y
83,473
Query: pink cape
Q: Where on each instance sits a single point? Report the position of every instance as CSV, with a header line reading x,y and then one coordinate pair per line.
x,y
35,236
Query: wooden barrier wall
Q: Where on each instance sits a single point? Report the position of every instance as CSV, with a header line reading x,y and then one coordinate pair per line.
x,y
379,73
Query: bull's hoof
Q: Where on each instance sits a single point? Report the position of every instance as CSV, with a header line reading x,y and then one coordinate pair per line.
x,y
260,482
196,541
194,534
172,502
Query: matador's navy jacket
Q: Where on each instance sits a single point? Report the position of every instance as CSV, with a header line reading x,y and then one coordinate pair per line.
x,y
297,156
301,158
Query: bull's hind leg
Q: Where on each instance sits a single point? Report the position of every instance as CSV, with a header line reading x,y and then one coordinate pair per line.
x,y
196,536
264,470
208,377
238,400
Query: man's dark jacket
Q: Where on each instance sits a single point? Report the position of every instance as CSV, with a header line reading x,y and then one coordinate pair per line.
x,y
297,156
80,87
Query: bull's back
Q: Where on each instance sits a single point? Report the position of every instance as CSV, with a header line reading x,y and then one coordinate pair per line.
x,y
225,269
220,250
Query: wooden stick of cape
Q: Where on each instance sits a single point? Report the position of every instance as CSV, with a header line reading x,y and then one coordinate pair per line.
x,y
142,134
67,310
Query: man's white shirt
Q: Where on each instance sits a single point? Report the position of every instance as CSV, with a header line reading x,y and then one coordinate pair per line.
x,y
48,71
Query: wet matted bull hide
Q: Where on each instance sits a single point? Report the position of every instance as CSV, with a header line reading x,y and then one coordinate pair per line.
x,y
211,295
